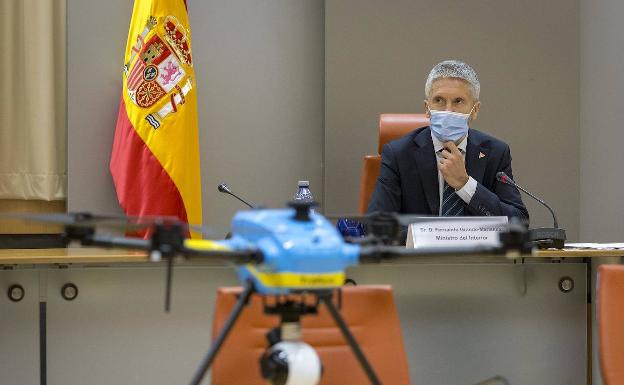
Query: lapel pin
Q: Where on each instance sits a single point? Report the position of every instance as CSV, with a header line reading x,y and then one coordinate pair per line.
x,y
481,155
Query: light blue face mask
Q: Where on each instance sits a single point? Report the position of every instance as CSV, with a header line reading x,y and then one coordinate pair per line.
x,y
448,125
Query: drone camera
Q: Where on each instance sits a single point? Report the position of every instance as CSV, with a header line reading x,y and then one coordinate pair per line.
x,y
291,363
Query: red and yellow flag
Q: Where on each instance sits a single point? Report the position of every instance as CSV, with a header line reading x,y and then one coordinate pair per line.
x,y
155,156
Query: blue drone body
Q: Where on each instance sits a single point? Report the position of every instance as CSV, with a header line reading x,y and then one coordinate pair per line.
x,y
298,254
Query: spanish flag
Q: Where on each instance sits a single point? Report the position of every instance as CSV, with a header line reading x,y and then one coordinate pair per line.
x,y
155,156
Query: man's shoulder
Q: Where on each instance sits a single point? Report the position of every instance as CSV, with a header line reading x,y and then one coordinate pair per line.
x,y
488,140
408,139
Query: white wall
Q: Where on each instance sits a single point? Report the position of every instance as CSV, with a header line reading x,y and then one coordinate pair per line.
x,y
602,126
601,132
95,52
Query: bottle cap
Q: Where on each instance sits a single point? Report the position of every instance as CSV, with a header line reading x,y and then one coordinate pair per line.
x,y
303,183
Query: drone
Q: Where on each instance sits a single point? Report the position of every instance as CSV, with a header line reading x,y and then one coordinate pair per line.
x,y
282,253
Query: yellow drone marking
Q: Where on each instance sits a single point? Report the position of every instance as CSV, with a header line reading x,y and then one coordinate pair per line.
x,y
203,244
298,280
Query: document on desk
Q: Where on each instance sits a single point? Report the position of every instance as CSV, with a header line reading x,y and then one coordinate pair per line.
x,y
455,231
595,246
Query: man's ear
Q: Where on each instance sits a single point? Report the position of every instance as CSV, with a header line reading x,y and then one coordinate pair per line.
x,y
427,113
475,110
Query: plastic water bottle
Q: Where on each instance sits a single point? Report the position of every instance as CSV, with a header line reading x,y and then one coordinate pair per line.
x,y
303,194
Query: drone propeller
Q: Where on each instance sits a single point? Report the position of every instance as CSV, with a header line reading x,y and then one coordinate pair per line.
x,y
77,219
390,228
401,219
514,243
168,237
84,220
121,223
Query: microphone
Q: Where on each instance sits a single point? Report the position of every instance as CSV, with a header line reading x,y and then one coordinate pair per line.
x,y
494,380
224,188
545,237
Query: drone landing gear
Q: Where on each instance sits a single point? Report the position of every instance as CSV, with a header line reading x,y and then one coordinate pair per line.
x,y
289,311
342,325
229,324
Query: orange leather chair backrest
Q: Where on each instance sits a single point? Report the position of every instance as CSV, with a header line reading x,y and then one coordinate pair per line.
x,y
391,127
369,311
610,316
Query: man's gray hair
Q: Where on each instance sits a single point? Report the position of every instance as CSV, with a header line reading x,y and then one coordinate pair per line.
x,y
454,69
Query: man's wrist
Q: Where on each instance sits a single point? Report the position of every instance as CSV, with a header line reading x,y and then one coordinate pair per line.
x,y
468,190
461,186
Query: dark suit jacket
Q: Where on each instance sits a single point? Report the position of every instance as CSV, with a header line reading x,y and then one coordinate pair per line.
x,y
408,180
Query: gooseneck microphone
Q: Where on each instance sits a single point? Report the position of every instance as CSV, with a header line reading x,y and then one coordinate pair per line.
x,y
504,178
545,237
224,188
494,380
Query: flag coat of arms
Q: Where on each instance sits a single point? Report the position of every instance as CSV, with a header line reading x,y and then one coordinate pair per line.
x,y
155,156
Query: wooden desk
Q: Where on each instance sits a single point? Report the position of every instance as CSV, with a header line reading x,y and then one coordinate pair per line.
x,y
69,255
86,255
463,319
583,253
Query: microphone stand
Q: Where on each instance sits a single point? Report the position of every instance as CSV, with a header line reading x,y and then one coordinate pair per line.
x,y
544,237
224,188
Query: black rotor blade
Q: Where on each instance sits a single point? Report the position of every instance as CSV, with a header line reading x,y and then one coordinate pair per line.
x,y
377,253
401,219
120,222
77,219
83,218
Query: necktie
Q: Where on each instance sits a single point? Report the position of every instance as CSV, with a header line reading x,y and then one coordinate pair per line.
x,y
452,204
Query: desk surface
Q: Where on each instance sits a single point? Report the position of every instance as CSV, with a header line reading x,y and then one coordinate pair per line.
x,y
97,255
588,253
70,255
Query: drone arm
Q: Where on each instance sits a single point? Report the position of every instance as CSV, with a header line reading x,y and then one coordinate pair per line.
x,y
110,241
236,256
346,333
381,253
191,249
514,242
201,248
223,333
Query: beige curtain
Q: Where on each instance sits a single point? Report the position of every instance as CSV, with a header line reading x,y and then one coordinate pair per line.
x,y
32,99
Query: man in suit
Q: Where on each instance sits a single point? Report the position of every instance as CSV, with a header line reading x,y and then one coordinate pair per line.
x,y
446,168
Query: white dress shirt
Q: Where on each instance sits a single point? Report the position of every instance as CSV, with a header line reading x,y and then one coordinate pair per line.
x,y
469,189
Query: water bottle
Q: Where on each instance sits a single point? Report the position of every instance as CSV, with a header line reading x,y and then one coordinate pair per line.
x,y
303,194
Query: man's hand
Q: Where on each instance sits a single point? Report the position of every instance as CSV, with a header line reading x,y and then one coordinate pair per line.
x,y
452,166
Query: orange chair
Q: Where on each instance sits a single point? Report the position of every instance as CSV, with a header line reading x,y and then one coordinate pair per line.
x,y
391,127
369,311
610,317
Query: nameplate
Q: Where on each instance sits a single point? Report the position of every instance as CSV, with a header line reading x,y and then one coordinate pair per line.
x,y
455,231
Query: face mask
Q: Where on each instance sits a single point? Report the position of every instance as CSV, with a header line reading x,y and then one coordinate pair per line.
x,y
449,126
